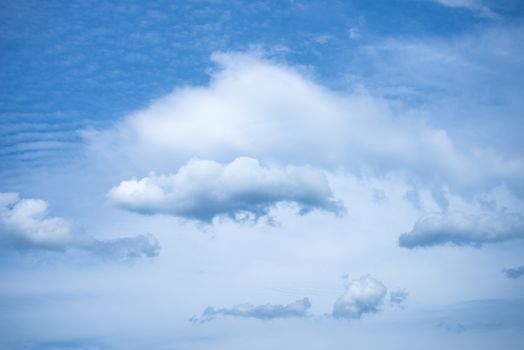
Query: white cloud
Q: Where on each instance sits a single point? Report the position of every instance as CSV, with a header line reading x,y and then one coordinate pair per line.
x,y
458,228
475,6
26,225
26,222
362,296
297,308
257,108
242,189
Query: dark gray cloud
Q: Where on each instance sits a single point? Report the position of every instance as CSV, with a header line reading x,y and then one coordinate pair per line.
x,y
362,296
460,229
241,190
514,272
297,308
26,225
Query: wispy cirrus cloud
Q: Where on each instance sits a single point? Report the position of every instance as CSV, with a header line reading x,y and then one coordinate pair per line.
x,y
476,6
268,311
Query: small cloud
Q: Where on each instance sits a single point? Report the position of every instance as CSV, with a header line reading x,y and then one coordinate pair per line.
x,y
354,32
26,225
322,39
124,248
514,273
460,229
362,296
297,308
398,297
475,6
379,196
242,190
413,197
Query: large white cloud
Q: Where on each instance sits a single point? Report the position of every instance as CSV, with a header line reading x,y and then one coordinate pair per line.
x,y
514,273
458,228
257,108
362,296
243,189
25,225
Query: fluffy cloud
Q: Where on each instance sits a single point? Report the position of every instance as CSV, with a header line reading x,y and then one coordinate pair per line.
x,y
456,228
362,296
203,189
272,112
25,224
514,273
297,308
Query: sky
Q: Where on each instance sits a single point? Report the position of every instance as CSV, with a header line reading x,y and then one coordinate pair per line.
x,y
261,174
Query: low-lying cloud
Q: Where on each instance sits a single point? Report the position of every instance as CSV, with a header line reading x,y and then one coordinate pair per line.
x,y
243,189
362,296
297,308
26,225
398,297
459,229
514,273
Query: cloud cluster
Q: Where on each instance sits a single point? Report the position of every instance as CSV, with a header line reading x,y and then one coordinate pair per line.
x,y
242,189
362,296
457,228
25,225
297,308
267,111
514,272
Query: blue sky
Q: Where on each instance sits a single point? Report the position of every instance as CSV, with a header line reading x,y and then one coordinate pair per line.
x,y
270,174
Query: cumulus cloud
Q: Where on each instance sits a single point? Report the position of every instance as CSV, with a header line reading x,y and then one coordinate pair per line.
x,y
271,112
297,308
457,228
242,189
26,225
514,272
362,296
